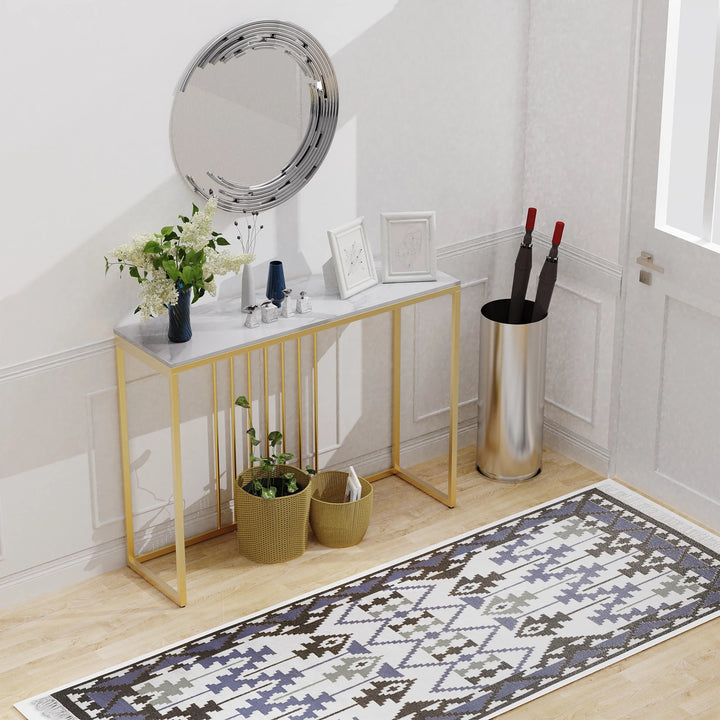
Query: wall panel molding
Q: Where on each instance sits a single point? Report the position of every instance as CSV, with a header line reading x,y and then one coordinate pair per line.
x,y
56,360
607,267
591,393
482,242
512,235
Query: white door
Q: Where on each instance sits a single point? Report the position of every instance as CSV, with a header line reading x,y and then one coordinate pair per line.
x,y
668,431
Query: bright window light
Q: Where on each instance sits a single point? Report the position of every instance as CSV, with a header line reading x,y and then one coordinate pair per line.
x,y
688,159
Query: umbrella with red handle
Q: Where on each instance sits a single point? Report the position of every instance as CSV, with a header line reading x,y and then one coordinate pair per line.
x,y
523,265
548,276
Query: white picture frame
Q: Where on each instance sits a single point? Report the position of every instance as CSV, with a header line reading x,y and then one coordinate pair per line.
x,y
354,264
408,246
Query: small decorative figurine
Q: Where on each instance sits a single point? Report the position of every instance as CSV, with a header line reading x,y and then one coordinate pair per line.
x,y
253,318
285,306
269,312
303,304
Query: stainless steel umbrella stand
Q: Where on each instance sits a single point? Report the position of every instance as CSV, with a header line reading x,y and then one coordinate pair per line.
x,y
511,393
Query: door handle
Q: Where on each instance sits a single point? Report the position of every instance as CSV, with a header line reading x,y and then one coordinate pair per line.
x,y
646,260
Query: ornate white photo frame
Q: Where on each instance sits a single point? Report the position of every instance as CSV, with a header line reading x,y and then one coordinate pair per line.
x,y
408,246
354,265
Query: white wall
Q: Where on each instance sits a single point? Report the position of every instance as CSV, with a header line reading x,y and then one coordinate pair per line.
x,y
432,104
580,72
473,108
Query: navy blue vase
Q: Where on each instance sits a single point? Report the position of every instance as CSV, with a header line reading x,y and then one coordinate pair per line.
x,y
179,329
275,283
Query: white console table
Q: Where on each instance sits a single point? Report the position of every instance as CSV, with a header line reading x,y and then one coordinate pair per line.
x,y
219,334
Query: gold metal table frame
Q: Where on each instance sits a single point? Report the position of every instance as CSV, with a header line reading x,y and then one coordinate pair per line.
x,y
148,343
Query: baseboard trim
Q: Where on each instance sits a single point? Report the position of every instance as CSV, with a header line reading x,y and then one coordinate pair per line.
x,y
111,555
683,499
63,572
568,443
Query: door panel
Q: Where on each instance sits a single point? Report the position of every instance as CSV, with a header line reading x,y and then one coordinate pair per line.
x,y
668,442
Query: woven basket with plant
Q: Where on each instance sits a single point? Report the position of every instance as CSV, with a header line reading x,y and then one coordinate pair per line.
x,y
272,503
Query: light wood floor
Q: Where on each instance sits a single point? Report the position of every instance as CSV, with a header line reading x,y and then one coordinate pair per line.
x,y
113,618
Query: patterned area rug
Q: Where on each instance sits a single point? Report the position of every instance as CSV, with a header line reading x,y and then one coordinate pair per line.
x,y
467,629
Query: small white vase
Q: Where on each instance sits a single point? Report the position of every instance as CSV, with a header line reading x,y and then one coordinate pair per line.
x,y
248,288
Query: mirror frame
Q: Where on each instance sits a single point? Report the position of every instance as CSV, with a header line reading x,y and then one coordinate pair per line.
x,y
315,64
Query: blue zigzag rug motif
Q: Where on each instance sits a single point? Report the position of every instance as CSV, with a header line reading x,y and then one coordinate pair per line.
x,y
467,629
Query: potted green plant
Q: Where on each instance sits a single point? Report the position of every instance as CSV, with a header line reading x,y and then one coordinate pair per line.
x,y
272,502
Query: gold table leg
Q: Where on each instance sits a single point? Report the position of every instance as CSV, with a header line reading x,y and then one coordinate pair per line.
x,y
448,498
179,594
178,493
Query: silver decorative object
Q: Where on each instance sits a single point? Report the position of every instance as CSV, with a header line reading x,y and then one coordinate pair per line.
x,y
253,318
286,304
269,312
303,304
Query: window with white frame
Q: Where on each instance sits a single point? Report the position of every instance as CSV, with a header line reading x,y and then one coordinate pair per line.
x,y
688,192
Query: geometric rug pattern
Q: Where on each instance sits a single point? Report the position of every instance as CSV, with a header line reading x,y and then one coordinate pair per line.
x,y
467,629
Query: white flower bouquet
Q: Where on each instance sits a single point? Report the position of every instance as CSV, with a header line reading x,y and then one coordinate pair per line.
x,y
177,258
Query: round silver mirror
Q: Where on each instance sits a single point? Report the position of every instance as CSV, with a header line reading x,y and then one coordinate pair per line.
x,y
254,115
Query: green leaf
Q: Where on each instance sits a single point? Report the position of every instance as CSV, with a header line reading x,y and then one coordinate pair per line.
x,y
283,458
254,442
242,401
221,241
291,485
274,437
167,230
195,209
254,459
152,246
171,270
269,493
251,432
188,275
310,470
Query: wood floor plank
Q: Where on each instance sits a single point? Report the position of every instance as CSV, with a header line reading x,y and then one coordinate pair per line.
x,y
74,632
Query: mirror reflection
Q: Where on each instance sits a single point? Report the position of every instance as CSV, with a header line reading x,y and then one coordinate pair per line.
x,y
254,115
